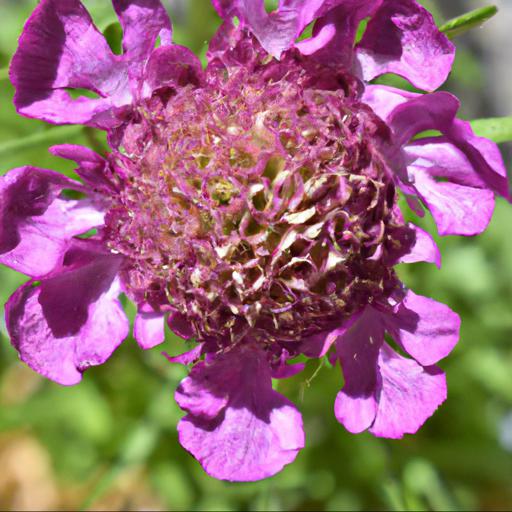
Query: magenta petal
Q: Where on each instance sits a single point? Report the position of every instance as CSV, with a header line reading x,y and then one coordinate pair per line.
x,y
92,168
457,209
238,427
143,21
426,329
61,48
36,223
275,31
443,159
356,404
434,111
179,325
187,357
318,345
171,66
408,394
72,320
484,155
384,99
148,328
403,38
424,248
458,155
334,32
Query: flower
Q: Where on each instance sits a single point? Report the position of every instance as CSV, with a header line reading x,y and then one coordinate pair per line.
x,y
252,205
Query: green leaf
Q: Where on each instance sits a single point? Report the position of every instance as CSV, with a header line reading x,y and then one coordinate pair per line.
x,y
498,129
50,136
472,19
4,74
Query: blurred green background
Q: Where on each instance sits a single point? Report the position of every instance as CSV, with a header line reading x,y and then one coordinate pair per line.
x,y
110,443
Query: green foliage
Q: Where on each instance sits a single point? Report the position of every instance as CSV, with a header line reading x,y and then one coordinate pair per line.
x,y
468,21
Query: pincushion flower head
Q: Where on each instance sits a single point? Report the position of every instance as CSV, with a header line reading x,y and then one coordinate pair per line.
x,y
251,205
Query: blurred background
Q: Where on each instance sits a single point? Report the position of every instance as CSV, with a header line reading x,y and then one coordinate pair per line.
x,y
110,443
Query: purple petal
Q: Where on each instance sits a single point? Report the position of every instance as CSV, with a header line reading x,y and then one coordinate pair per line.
x,y
238,427
334,33
36,223
317,345
282,370
458,155
92,168
187,357
483,154
179,325
383,99
403,38
443,160
143,21
408,394
72,320
385,392
457,209
356,404
278,30
424,248
171,66
148,328
434,111
61,48
426,329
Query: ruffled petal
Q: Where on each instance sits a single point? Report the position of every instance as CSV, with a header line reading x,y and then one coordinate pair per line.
x,y
384,392
186,358
484,155
424,248
278,30
238,427
72,320
318,345
149,328
444,160
356,404
471,167
425,328
457,209
180,326
61,48
143,21
171,66
37,224
408,394
403,38
434,111
94,170
275,31
334,32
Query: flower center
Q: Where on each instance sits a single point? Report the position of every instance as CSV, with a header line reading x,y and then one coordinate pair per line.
x,y
257,205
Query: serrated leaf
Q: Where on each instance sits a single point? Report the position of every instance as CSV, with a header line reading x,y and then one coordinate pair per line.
x,y
498,129
472,19
53,135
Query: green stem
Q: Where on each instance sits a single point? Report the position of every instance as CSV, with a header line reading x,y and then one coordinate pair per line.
x,y
59,134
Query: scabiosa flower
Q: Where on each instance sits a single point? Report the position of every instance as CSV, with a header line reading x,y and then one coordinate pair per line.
x,y
251,205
